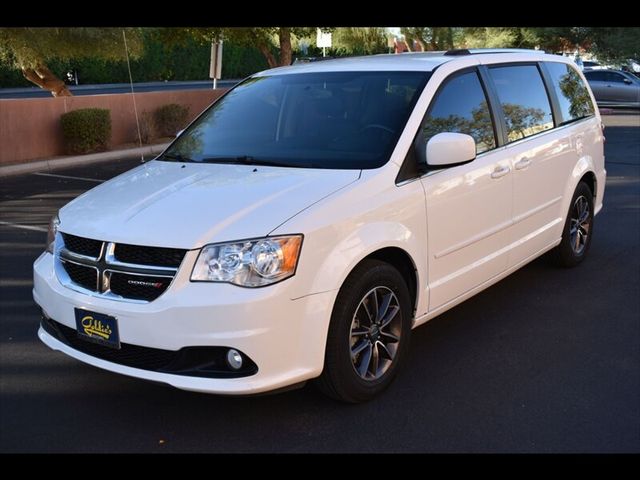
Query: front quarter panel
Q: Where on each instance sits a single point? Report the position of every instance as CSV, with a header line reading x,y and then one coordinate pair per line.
x,y
342,230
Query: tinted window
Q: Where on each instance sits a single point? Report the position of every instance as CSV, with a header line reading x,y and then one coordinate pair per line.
x,y
604,76
524,100
460,106
571,91
614,77
630,76
595,76
319,120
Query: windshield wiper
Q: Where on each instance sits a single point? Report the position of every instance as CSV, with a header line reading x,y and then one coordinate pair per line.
x,y
176,158
246,160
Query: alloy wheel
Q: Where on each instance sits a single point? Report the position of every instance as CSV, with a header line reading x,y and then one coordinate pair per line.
x,y
580,225
375,333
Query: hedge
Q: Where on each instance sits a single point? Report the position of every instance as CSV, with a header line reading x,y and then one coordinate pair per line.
x,y
86,130
157,63
170,119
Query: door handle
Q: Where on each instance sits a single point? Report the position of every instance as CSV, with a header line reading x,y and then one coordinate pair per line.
x,y
523,163
500,171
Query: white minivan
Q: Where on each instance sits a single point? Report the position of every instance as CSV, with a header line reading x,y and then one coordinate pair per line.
x,y
308,220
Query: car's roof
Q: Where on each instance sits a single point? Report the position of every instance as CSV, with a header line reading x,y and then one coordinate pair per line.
x,y
410,61
604,69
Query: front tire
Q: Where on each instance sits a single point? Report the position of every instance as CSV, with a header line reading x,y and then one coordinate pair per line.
x,y
368,334
578,229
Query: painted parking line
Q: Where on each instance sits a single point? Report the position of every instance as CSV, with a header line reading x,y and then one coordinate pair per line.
x,y
16,282
24,227
69,177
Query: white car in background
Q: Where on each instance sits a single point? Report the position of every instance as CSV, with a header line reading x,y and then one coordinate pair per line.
x,y
306,222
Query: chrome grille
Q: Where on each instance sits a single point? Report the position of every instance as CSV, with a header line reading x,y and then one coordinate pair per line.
x,y
82,246
84,275
118,271
158,256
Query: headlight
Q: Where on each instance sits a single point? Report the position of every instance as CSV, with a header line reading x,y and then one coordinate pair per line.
x,y
51,233
249,263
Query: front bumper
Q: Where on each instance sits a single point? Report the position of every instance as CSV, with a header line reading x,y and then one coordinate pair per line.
x,y
285,338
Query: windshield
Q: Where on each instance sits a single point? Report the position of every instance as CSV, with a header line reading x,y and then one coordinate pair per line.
x,y
338,120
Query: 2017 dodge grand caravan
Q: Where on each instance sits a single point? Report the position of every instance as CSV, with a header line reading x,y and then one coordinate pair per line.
x,y
308,220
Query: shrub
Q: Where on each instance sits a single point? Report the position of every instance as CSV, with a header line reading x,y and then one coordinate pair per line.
x,y
170,119
86,130
147,127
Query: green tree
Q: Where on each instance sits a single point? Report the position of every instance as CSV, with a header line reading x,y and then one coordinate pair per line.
x,y
360,40
275,43
479,126
31,49
572,87
608,44
430,38
499,37
562,39
522,121
614,44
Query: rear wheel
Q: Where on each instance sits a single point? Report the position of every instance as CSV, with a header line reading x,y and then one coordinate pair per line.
x,y
578,229
368,334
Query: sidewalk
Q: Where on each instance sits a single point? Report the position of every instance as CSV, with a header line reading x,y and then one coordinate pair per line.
x,y
57,163
110,88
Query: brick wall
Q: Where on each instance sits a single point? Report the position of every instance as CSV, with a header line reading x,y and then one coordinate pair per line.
x,y
30,128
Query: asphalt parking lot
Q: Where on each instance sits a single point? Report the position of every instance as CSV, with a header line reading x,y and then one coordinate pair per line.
x,y
547,360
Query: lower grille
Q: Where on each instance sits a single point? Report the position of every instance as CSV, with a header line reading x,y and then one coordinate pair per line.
x,y
207,362
139,287
83,275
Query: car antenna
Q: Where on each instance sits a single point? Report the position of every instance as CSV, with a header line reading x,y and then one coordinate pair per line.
x,y
133,95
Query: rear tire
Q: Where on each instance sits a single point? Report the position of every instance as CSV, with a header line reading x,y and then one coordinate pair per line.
x,y
578,229
369,333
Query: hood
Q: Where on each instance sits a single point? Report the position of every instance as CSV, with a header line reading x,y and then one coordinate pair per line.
x,y
187,205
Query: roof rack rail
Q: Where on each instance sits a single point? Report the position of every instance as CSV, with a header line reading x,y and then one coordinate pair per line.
x,y
477,51
457,51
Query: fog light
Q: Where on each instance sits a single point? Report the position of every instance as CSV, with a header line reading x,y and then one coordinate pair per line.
x,y
234,359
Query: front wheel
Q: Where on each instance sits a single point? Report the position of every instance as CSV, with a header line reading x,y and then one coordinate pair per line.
x,y
578,229
368,334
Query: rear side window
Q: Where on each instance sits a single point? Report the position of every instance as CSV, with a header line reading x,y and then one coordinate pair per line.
x,y
573,96
595,76
524,100
613,77
461,107
604,76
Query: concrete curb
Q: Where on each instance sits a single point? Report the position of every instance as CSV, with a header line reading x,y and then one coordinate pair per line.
x,y
64,162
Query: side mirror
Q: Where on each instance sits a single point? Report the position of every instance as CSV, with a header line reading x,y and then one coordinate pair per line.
x,y
627,81
449,149
180,133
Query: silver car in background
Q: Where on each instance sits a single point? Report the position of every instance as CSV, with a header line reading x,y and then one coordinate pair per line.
x,y
614,88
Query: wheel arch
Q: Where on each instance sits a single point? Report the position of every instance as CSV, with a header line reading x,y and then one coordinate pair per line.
x,y
401,261
584,170
592,182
